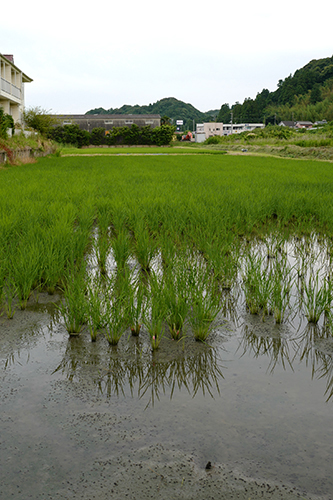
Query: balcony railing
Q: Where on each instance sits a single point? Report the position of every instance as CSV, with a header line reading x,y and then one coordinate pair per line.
x,y
10,88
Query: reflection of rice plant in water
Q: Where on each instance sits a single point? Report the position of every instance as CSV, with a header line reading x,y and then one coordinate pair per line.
x,y
276,347
73,308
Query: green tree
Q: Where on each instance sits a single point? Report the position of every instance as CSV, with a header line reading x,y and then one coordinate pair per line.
x,y
165,120
315,95
39,119
224,114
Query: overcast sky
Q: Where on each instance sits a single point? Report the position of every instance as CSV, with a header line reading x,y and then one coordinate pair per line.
x,y
84,55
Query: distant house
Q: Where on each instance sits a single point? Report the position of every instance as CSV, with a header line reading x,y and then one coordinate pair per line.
x,y
303,125
287,124
108,122
12,81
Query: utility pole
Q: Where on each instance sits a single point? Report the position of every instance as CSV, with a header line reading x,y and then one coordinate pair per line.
x,y
232,115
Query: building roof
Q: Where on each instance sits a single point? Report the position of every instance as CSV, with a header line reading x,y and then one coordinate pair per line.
x,y
10,60
287,123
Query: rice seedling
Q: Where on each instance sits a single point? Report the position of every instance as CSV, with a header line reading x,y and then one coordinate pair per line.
x,y
121,249
24,266
9,295
116,319
222,255
155,314
95,307
317,296
137,298
257,283
2,278
54,258
167,249
102,246
282,277
176,297
82,235
144,246
73,308
205,303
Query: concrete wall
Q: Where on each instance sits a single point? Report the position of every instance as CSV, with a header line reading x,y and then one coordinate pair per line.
x,y
24,154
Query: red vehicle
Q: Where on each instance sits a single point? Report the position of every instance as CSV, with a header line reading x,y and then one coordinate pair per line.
x,y
187,137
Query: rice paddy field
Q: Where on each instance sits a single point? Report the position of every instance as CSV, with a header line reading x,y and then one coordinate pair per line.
x,y
166,326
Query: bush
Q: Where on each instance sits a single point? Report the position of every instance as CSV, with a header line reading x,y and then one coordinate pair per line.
x,y
97,136
39,119
6,122
213,140
70,134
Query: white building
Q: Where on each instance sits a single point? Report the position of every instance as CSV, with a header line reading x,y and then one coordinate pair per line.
x,y
237,128
12,81
205,130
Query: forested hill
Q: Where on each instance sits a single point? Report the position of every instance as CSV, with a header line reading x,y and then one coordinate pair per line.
x,y
169,106
305,95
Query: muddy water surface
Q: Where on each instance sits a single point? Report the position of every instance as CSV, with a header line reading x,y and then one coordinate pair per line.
x,y
247,416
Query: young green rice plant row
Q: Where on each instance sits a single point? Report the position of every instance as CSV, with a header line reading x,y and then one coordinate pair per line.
x,y
186,229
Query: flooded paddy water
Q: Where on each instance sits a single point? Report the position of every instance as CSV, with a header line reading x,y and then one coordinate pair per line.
x,y
246,414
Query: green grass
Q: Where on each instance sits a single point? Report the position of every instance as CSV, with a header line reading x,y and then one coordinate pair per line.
x,y
176,149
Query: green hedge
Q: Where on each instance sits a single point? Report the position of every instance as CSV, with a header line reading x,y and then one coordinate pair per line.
x,y
130,136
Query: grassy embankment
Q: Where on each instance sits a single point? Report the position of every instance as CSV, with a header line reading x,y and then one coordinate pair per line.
x,y
21,149
278,141
157,240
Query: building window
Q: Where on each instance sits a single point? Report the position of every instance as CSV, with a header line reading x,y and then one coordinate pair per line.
x,y
149,122
128,122
108,122
67,122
